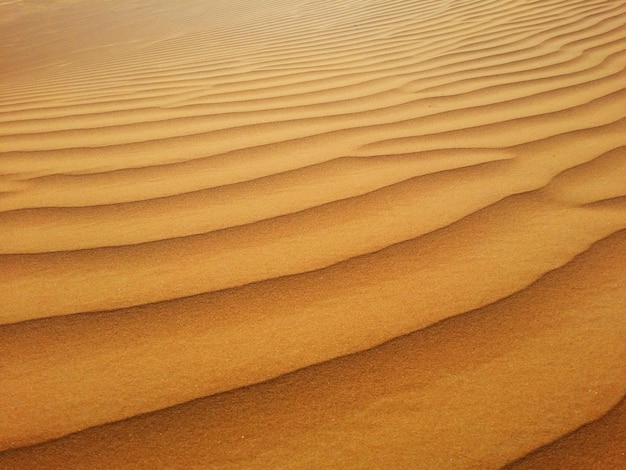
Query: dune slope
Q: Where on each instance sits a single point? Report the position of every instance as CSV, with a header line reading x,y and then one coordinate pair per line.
x,y
314,234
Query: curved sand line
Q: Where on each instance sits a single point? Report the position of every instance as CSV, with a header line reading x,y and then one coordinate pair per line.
x,y
423,390
202,198
597,444
218,335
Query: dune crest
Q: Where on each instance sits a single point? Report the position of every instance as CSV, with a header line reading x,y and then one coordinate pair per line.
x,y
237,234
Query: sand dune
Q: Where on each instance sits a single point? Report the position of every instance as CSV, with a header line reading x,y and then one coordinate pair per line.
x,y
312,234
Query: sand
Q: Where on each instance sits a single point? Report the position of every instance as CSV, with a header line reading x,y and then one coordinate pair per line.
x,y
312,234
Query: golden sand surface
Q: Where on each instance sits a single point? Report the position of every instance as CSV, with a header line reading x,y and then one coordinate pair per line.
x,y
361,234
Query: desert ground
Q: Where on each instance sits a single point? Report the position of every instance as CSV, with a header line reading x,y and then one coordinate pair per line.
x,y
309,234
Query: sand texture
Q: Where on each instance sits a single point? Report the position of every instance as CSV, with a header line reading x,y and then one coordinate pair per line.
x,y
310,234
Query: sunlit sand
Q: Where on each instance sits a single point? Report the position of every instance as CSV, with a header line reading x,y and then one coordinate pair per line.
x,y
312,234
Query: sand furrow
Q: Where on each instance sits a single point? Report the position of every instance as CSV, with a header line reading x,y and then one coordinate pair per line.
x,y
369,51
300,233
396,71
612,19
506,328
536,107
241,166
309,233
181,126
66,229
215,209
598,444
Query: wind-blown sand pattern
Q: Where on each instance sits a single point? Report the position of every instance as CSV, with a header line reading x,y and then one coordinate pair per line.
x,y
313,234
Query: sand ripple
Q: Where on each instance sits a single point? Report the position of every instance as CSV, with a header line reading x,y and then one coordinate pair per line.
x,y
315,234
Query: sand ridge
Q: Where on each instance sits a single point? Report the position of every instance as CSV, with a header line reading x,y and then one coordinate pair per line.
x,y
285,196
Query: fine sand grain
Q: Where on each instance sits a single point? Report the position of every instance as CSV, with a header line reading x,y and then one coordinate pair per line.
x,y
313,234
